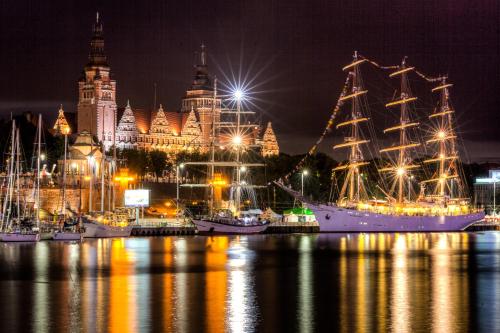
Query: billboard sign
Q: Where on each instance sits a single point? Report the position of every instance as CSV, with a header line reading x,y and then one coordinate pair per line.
x,y
137,198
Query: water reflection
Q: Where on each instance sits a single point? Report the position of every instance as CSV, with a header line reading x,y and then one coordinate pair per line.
x,y
441,282
241,307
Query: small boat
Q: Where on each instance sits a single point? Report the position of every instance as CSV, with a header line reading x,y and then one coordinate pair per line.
x,y
20,236
96,229
224,223
67,235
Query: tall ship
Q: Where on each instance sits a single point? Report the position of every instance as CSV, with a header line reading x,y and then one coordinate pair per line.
x,y
226,154
388,202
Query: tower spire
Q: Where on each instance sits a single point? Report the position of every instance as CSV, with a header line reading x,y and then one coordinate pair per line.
x,y
97,57
201,78
203,55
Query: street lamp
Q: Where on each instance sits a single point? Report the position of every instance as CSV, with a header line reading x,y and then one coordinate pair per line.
x,y
303,173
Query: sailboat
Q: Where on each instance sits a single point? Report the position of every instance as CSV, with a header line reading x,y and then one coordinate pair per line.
x,y
231,220
19,228
70,229
443,208
105,224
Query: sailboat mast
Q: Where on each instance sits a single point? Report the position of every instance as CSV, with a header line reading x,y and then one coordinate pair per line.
x,y
8,193
402,160
103,159
64,176
39,151
445,137
402,134
238,146
355,152
18,171
353,184
212,150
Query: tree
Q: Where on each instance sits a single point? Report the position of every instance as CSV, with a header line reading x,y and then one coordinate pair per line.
x,y
158,162
135,160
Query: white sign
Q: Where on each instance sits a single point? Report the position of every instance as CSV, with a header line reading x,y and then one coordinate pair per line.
x,y
137,198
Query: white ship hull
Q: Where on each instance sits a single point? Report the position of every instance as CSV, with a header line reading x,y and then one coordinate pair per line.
x,y
97,230
207,226
337,219
67,236
19,237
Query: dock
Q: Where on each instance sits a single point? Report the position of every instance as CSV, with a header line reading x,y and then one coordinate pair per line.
x,y
484,226
172,227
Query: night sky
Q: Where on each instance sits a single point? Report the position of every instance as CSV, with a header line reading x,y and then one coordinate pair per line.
x,y
292,50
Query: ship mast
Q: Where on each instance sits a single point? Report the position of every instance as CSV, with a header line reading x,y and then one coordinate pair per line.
x,y
444,136
403,160
212,149
353,183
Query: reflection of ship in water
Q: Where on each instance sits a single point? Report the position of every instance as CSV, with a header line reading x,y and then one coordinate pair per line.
x,y
380,282
387,202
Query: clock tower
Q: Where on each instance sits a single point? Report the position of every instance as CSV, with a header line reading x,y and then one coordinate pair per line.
x,y
96,111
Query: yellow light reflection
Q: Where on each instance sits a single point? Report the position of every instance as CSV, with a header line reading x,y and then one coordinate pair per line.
x,y
216,283
122,298
399,299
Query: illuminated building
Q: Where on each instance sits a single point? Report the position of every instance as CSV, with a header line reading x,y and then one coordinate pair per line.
x,y
269,143
140,128
61,126
96,111
485,190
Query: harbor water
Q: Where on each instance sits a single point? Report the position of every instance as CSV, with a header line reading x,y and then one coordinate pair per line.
x,y
435,282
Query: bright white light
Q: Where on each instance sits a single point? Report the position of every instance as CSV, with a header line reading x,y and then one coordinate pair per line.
x,y
42,157
400,171
243,169
441,134
305,172
237,140
181,165
238,94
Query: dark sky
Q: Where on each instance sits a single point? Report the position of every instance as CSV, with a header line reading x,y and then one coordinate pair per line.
x,y
293,49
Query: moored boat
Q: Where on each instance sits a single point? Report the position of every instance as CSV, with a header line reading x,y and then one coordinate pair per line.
x,y
224,223
385,200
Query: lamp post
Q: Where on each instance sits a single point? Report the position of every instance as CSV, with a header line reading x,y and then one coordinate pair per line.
x,y
177,171
303,173
91,179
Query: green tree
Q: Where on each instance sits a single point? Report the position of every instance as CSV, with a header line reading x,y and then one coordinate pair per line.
x,y
158,162
135,160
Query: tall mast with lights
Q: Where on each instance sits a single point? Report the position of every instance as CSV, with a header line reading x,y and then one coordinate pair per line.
x,y
402,160
212,150
353,183
444,137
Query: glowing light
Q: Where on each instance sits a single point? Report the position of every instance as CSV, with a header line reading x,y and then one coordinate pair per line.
x,y
181,165
400,171
238,94
42,157
305,172
237,140
441,134
243,169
